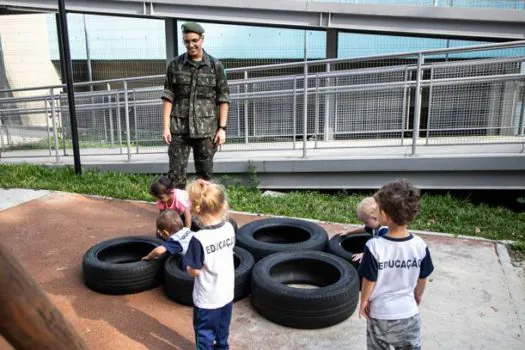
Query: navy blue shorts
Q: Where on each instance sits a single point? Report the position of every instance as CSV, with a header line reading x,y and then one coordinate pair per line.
x,y
212,327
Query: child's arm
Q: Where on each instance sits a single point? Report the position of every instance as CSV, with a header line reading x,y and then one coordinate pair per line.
x,y
187,217
367,287
352,231
420,288
368,269
193,261
155,253
425,269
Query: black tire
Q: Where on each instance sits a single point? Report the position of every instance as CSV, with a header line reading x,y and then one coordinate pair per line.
x,y
334,301
115,266
234,224
269,236
178,284
345,246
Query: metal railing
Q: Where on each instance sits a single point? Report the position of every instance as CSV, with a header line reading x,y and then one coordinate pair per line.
x,y
429,98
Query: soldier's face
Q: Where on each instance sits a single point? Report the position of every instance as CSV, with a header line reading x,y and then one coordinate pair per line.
x,y
193,43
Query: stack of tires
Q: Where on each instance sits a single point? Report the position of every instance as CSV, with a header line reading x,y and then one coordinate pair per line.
x,y
115,267
294,283
280,261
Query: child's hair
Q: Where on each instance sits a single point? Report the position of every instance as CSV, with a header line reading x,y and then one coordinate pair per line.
x,y
399,200
207,198
169,221
367,208
162,185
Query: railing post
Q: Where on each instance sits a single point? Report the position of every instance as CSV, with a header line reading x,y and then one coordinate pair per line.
x,y
2,136
104,120
305,107
126,115
246,128
294,110
316,109
429,113
135,120
53,121
417,107
521,126
327,106
47,125
404,111
305,95
60,110
119,122
238,113
111,129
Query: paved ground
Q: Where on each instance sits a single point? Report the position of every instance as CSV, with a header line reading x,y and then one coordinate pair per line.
x,y
475,298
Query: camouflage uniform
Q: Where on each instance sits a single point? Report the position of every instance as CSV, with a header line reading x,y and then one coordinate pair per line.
x,y
195,89
401,334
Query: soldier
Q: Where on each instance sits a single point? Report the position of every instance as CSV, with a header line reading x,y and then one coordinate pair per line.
x,y
195,107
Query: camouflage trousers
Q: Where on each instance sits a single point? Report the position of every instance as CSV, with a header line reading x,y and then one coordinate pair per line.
x,y
401,334
203,151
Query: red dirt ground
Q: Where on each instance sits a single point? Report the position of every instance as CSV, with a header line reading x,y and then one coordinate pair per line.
x,y
49,236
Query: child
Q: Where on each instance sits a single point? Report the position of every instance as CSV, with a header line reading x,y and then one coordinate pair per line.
x,y
176,237
394,270
169,197
367,212
210,260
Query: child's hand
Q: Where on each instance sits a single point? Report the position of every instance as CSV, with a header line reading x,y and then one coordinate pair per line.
x,y
145,258
342,234
357,257
364,309
193,272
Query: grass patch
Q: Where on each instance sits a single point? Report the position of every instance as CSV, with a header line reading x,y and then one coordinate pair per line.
x,y
440,213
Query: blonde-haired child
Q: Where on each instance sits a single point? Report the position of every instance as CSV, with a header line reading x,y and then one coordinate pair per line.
x,y
368,213
210,260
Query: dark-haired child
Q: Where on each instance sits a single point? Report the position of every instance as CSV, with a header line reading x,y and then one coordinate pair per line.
x,y
169,197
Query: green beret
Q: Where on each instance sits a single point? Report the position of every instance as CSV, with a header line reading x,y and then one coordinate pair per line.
x,y
192,27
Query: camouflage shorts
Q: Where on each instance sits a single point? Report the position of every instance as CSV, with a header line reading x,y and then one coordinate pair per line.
x,y
401,334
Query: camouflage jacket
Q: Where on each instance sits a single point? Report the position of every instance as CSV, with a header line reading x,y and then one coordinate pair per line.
x,y
195,89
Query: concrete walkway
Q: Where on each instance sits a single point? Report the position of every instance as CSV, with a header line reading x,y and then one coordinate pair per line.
x,y
475,298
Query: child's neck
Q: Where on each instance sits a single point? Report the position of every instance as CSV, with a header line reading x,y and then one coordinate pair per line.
x,y
211,219
171,197
397,231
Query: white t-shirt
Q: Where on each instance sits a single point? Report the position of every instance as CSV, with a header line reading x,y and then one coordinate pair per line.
x,y
395,265
211,251
179,241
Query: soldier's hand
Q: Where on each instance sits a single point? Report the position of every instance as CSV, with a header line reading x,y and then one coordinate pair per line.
x,y
166,135
220,137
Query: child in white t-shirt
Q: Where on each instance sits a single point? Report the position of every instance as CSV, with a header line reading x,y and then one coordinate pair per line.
x,y
176,237
210,260
394,269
